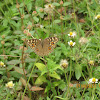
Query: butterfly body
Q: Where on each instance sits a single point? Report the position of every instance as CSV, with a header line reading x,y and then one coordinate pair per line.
x,y
43,47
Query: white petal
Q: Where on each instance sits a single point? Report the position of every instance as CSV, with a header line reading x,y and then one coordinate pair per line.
x,y
70,40
96,17
6,85
73,44
96,80
74,34
68,34
90,80
46,6
69,43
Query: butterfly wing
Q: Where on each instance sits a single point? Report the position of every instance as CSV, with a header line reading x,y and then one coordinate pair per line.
x,y
49,44
35,44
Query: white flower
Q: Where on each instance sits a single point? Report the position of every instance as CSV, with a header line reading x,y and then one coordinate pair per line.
x,y
93,80
72,34
97,17
83,40
41,26
2,64
91,62
71,43
64,63
49,8
10,84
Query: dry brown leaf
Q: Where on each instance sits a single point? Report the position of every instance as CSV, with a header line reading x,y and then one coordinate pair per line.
x,y
24,82
35,88
26,98
20,70
82,20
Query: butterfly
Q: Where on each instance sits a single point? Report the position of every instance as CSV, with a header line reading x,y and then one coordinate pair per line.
x,y
42,47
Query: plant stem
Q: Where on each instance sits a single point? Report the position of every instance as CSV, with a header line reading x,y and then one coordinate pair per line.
x,y
24,69
28,80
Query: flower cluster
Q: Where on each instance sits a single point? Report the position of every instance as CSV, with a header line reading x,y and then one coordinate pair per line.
x,y
2,64
71,43
27,32
71,34
93,80
97,17
91,62
64,63
83,40
49,8
10,84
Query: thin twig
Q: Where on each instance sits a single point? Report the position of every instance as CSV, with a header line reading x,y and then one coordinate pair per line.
x,y
28,13
9,56
49,77
20,13
4,61
22,59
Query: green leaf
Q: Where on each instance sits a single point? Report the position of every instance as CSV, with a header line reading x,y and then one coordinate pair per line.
x,y
57,54
56,4
54,75
29,6
29,60
64,49
10,67
2,69
78,71
41,15
20,70
43,72
8,44
57,21
36,19
66,4
13,62
1,73
40,80
62,84
48,98
23,81
15,74
52,66
40,66
2,28
48,87
38,3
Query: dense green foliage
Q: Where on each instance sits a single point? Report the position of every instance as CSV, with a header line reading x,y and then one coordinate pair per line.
x,y
48,77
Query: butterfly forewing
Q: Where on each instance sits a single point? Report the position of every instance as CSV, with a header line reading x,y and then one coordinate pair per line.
x,y
33,43
49,45
53,41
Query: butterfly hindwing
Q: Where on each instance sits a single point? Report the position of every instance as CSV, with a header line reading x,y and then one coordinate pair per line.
x,y
39,49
